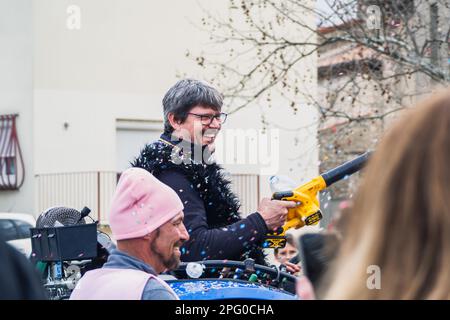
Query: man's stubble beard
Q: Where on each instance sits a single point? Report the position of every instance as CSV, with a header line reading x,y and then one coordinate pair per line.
x,y
172,263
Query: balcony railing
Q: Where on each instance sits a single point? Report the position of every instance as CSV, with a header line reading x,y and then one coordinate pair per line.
x,y
12,169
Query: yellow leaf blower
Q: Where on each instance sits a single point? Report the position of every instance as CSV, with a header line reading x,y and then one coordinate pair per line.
x,y
308,211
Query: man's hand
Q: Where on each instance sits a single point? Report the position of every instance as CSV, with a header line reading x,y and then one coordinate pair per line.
x,y
292,268
274,212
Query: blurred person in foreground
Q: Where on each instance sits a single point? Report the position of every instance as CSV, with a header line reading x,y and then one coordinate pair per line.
x,y
146,219
400,221
18,279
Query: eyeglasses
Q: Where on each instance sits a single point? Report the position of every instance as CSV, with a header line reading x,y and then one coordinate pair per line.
x,y
207,119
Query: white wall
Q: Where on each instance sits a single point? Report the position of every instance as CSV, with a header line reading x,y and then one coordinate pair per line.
x,y
119,64
16,92
89,142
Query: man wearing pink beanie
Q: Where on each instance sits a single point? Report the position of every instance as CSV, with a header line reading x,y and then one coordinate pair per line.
x,y
146,219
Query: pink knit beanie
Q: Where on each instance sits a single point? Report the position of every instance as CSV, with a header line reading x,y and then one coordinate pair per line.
x,y
141,204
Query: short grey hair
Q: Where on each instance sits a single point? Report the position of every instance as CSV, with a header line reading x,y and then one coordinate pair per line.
x,y
185,95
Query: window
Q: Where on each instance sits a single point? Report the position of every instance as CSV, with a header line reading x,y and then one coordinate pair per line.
x,y
10,165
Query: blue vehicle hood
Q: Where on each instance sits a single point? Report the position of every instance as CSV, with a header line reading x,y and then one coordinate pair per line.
x,y
219,289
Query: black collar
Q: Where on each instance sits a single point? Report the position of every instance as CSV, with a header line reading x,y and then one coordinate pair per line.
x,y
196,153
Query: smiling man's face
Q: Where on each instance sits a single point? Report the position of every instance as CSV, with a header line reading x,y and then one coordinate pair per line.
x,y
168,240
198,131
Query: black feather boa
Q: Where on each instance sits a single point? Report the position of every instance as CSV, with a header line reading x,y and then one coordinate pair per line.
x,y
208,180
221,204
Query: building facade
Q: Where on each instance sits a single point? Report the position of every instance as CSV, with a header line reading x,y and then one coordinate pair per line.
x,y
357,82
86,79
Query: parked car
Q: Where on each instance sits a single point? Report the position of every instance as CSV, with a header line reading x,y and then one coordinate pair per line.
x,y
15,229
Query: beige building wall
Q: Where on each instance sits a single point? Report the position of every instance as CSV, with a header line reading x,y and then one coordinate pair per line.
x,y
84,84
118,65
16,92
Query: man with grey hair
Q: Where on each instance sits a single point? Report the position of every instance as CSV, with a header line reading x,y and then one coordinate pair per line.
x,y
181,159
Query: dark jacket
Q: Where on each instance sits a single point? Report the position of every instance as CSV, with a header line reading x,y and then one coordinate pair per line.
x,y
210,207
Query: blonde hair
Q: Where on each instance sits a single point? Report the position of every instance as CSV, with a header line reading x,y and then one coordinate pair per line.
x,y
400,221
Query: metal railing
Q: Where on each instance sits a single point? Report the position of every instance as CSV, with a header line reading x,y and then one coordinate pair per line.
x,y
96,189
246,186
12,168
